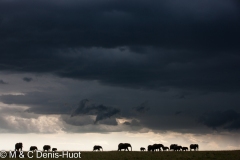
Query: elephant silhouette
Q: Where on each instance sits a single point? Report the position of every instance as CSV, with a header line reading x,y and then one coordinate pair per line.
x,y
54,149
96,147
18,146
157,147
142,149
184,148
124,146
33,148
194,146
150,147
165,148
177,148
172,146
46,147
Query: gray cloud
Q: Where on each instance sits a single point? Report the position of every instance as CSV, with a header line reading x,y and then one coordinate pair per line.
x,y
178,112
142,108
133,123
102,112
106,112
109,121
78,120
113,18
38,102
177,55
127,123
27,79
228,119
14,119
197,54
2,82
62,99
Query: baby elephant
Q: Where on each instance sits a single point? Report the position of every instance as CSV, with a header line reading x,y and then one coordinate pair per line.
x,y
54,149
142,149
33,148
165,148
96,147
184,148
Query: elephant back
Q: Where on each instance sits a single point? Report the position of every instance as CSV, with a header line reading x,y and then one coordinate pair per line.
x,y
32,148
120,144
172,146
46,147
97,147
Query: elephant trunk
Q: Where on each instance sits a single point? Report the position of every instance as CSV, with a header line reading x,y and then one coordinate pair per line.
x,y
131,148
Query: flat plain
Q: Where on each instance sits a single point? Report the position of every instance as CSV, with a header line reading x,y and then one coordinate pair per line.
x,y
137,155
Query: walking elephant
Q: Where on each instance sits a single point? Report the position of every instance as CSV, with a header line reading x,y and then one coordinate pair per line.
x,y
54,149
194,146
177,148
165,148
157,147
124,146
46,147
150,147
18,146
184,148
33,148
172,146
96,147
142,149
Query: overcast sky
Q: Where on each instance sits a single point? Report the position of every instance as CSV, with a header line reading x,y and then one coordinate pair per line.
x,y
142,72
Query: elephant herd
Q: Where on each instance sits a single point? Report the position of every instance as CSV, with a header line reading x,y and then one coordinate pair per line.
x,y
174,147
19,146
121,146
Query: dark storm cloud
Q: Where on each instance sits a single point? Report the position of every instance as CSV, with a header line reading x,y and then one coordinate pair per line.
x,y
2,82
38,102
187,44
142,108
27,79
178,112
133,123
228,119
109,121
84,120
102,112
127,123
121,23
27,98
106,112
77,120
